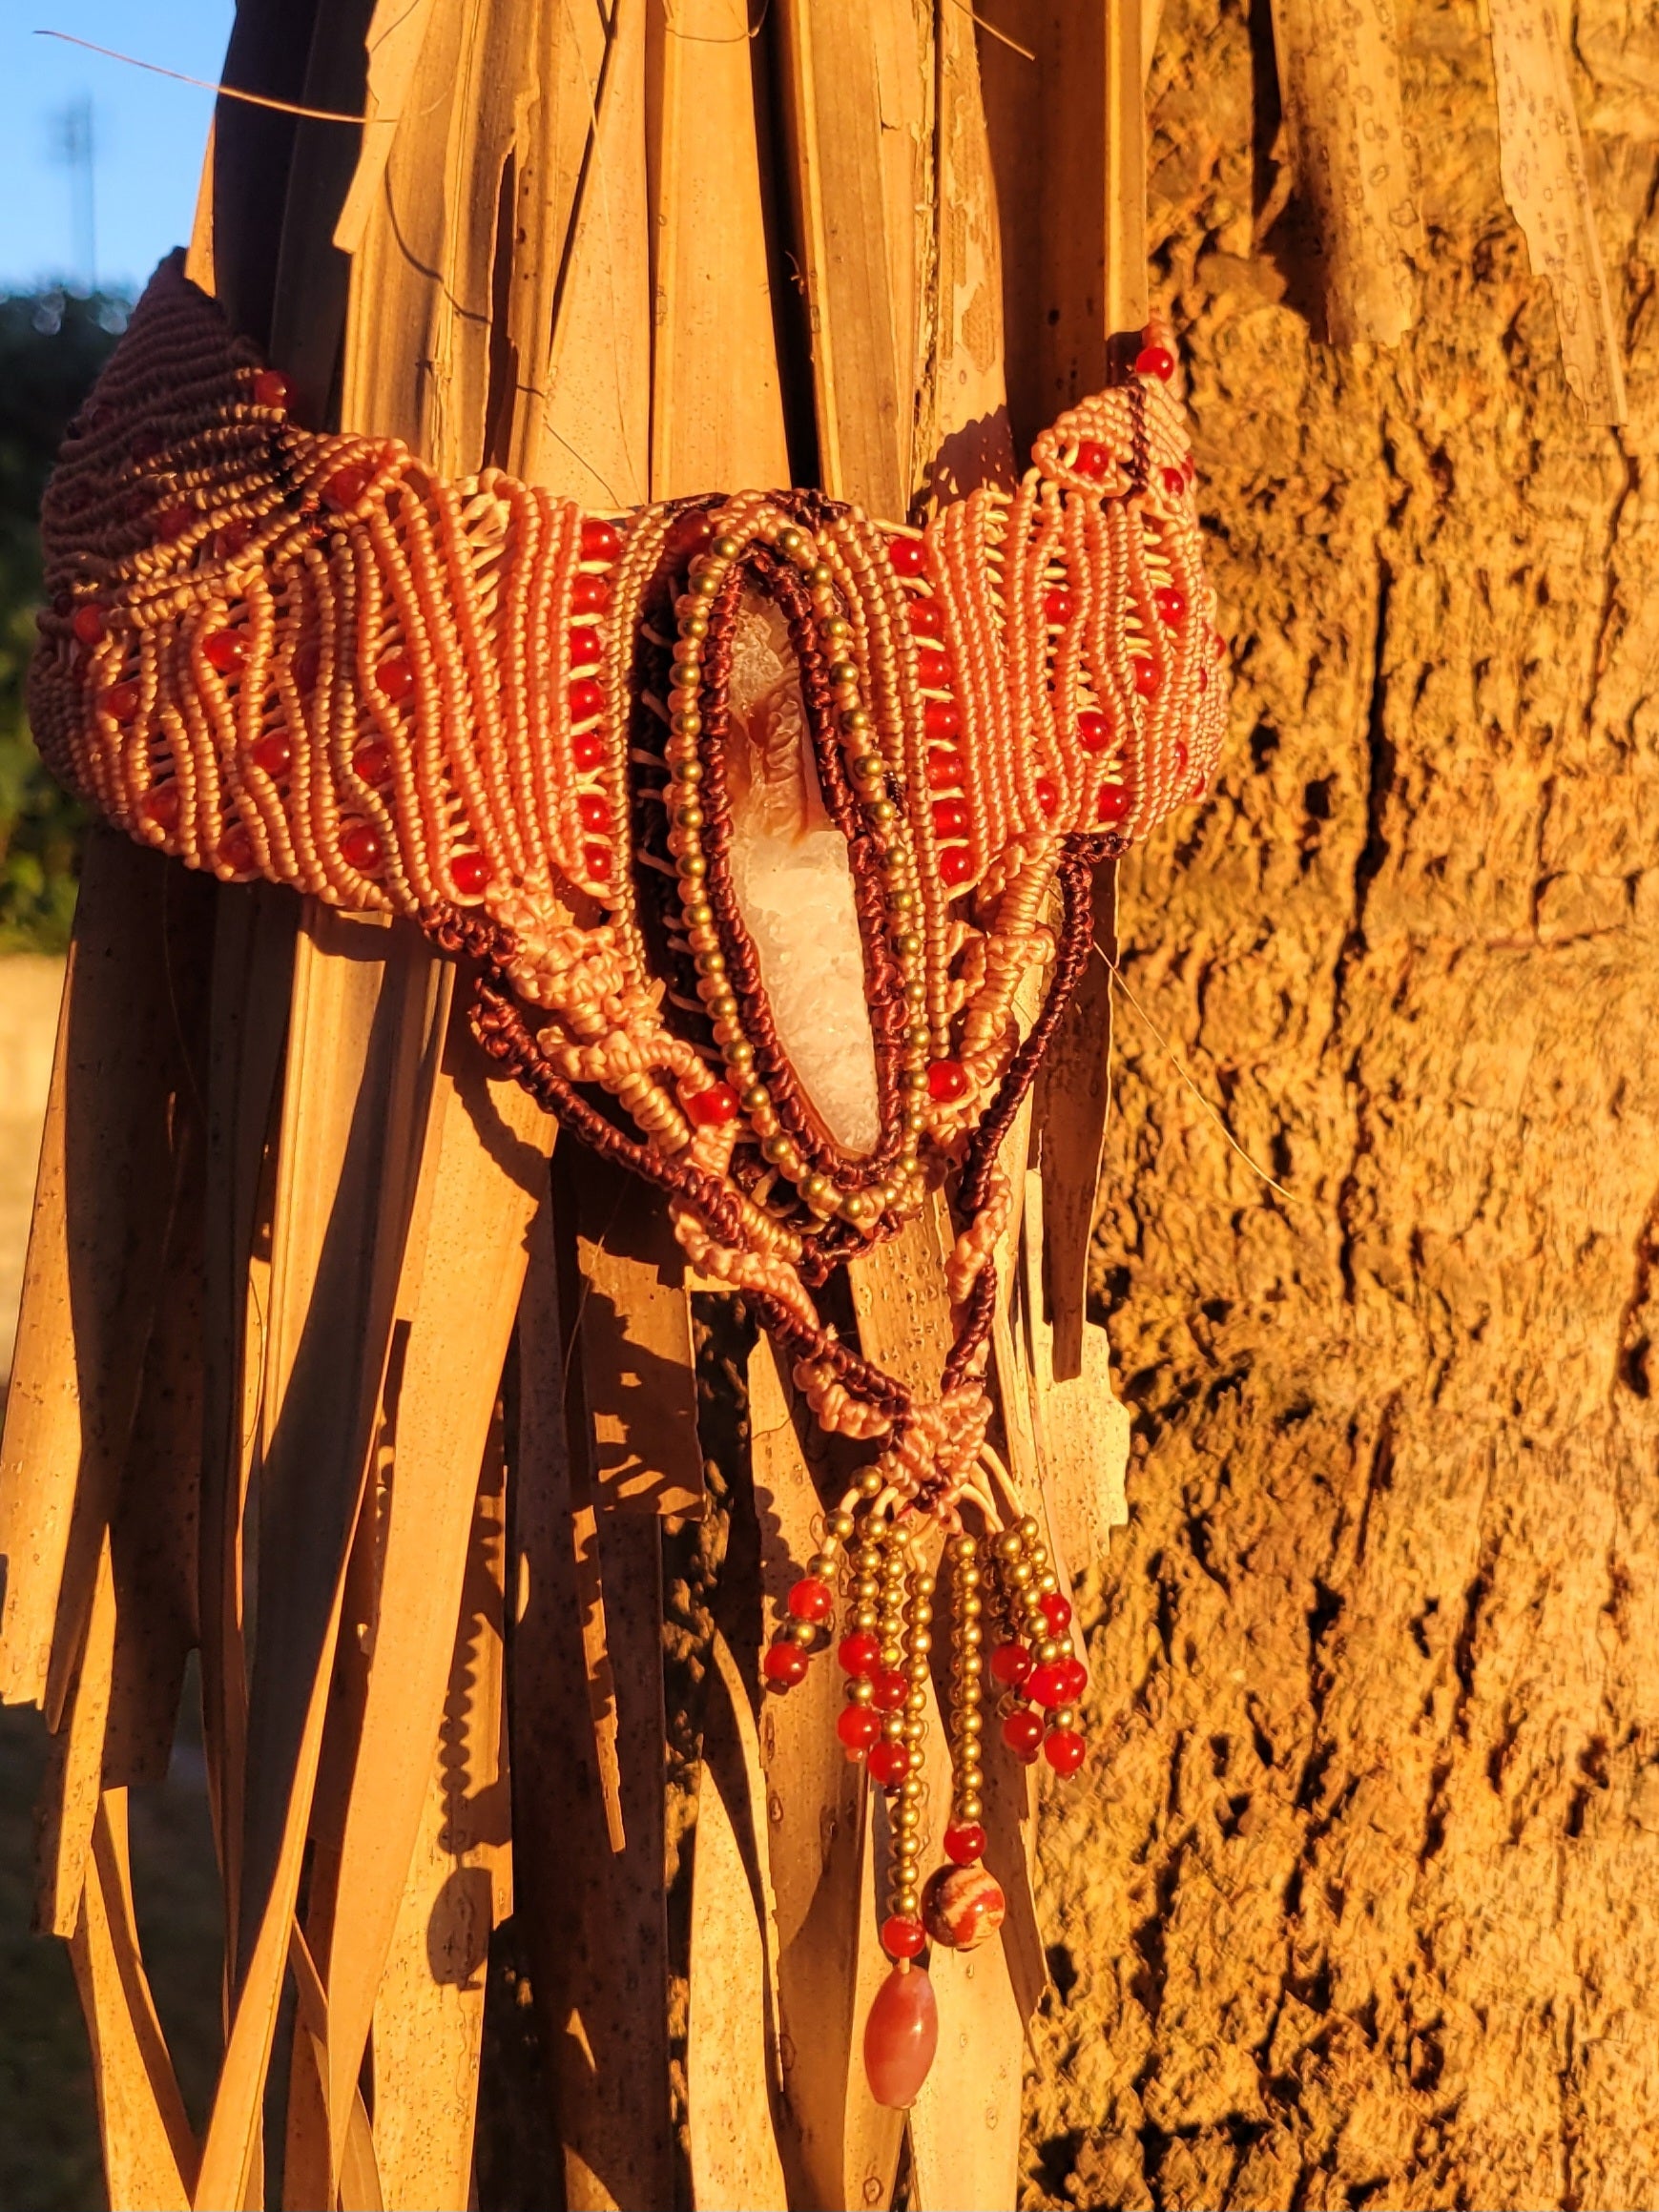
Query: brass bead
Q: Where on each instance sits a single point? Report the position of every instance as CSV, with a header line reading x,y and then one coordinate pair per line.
x,y
802,1631
725,548
842,671
688,771
924,1584
1047,1652
698,913
971,1780
860,1692
778,1149
963,1547
968,1807
695,624
971,1633
710,964
866,1616
1020,1571
881,812
1028,1527
972,1665
916,1699
1064,1717
755,1096
1009,1546
821,574
868,766
914,1730
721,1003
820,1566
840,1525
971,1720
741,1055
694,865
921,1640
789,539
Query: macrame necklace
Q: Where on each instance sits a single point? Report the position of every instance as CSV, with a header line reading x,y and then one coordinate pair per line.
x,y
580,752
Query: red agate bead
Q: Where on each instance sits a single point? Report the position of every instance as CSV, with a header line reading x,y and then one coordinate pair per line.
x,y
87,625
593,810
346,486
226,651
946,1079
946,771
272,390
811,1600
160,805
1058,605
1058,1682
859,1653
909,556
587,748
601,541
583,647
1093,460
596,859
1073,1679
784,1666
955,865
1174,481
590,595
1010,1663
273,754
235,850
395,677
122,702
926,618
1145,676
900,2038
888,1762
1064,1750
950,817
932,671
1055,1609
1155,360
858,1727
711,1107
1115,802
888,1689
586,698
470,873
173,522
943,718
372,761
360,848
960,1905
1171,605
1022,1732
1048,794
901,1938
1093,731
965,1841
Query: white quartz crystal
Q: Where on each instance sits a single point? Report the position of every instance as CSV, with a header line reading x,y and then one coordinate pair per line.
x,y
794,886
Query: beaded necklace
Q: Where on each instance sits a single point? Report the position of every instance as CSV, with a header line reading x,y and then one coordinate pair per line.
x,y
304,657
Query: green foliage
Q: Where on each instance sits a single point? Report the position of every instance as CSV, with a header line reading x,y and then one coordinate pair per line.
x,y
52,348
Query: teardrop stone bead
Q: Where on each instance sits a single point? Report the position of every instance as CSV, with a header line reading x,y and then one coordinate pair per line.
x,y
900,2037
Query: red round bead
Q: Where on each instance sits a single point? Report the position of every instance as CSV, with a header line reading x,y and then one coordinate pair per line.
x,y
909,556
955,865
1058,605
235,850
1055,1609
1022,1732
1092,460
122,702
1171,605
346,486
1048,794
1093,731
271,754
594,813
590,595
360,848
950,817
1047,1685
583,647
965,1841
946,770
587,748
888,1689
225,649
173,522
1115,802
901,1938
811,1600
857,1727
889,1762
160,805
1174,481
373,762
926,618
784,1666
87,625
596,859
1219,646
710,1108
1181,754
932,671
1155,360
1010,1662
586,698
860,1654
946,1079
1145,678
395,677
1064,1750
1073,1680
601,541
272,390
470,873
943,718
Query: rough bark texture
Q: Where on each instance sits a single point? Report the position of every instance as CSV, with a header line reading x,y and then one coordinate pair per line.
x,y
1361,1907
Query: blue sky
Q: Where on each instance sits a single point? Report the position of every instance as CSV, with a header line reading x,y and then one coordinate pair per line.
x,y
148,134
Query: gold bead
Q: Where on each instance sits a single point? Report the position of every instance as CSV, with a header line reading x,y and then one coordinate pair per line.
x,y
971,1720
1028,1527
964,1546
870,1481
866,1616
802,1631
1047,1580
968,1807
1020,1571
725,548
840,1525
1049,1651
1008,1544
971,1634
1064,1717
688,771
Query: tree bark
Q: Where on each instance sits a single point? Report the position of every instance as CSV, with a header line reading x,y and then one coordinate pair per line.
x,y
1361,1907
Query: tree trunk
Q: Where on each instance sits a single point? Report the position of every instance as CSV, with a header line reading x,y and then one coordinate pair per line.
x,y
1361,1908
